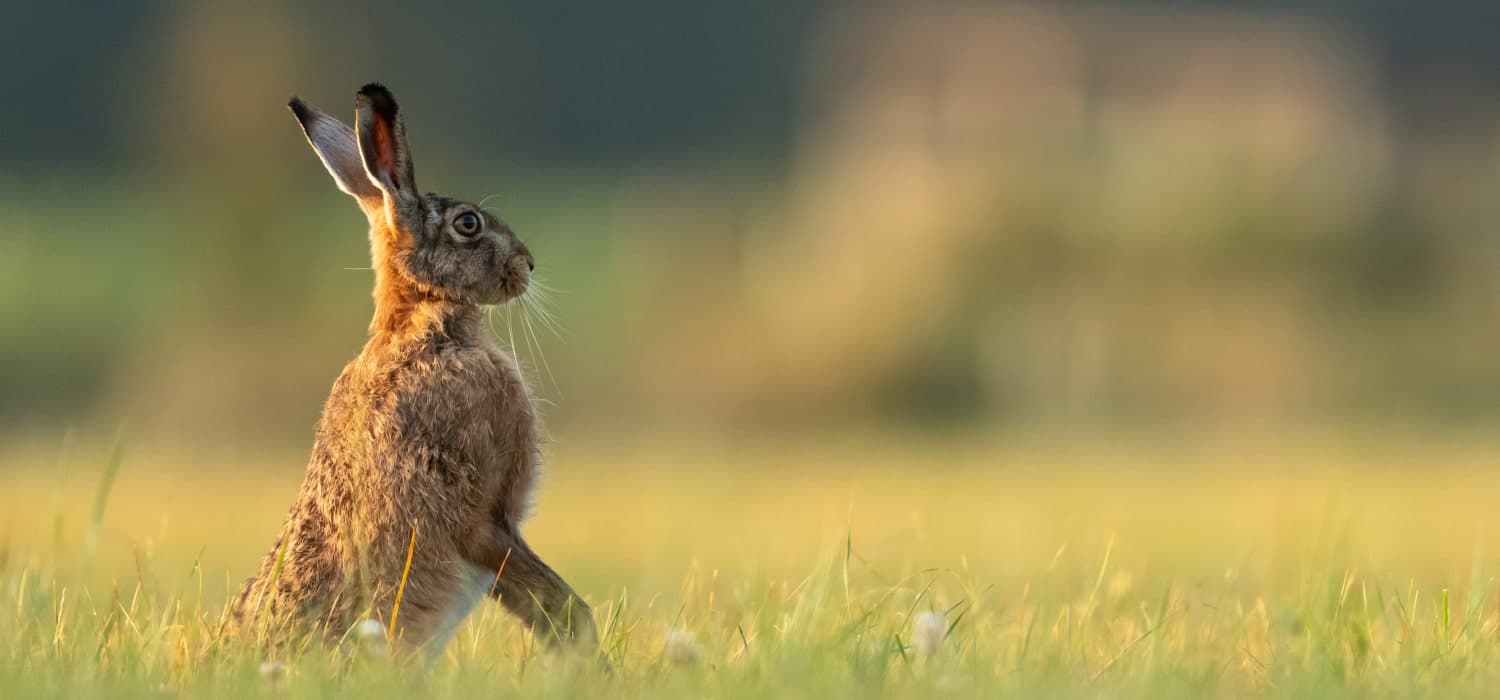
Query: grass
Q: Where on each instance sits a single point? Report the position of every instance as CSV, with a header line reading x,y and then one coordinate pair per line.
x,y
850,568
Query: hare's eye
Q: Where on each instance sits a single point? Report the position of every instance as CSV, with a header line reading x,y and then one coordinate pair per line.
x,y
467,223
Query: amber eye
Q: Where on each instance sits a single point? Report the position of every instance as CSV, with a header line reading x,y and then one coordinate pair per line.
x,y
467,223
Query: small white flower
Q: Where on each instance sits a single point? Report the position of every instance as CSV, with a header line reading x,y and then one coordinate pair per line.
x,y
372,637
927,632
274,672
682,647
370,629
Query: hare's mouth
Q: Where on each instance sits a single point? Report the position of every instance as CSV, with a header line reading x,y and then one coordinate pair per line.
x,y
515,280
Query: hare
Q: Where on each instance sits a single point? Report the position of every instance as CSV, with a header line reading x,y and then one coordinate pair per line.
x,y
427,447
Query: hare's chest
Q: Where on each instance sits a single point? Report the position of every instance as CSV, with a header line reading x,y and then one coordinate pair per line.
x,y
517,447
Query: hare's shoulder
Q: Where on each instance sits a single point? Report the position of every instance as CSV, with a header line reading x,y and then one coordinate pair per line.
x,y
468,382
434,387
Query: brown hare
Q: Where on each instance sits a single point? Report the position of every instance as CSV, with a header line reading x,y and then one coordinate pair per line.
x,y
427,446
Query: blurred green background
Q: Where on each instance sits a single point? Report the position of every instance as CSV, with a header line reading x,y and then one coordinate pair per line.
x,y
801,217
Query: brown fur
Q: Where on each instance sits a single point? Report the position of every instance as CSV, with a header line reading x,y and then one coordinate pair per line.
x,y
431,429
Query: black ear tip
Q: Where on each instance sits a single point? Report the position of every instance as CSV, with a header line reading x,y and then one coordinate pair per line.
x,y
299,109
380,98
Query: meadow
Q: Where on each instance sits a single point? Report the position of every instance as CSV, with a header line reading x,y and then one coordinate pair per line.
x,y
869,565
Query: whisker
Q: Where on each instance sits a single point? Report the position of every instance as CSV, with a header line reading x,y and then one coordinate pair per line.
x,y
527,330
510,330
490,319
537,344
509,338
540,301
533,343
543,300
541,283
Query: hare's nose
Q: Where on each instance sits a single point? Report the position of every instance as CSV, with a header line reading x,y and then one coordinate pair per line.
x,y
530,264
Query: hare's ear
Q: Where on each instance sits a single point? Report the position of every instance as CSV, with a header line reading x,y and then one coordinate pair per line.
x,y
382,142
335,145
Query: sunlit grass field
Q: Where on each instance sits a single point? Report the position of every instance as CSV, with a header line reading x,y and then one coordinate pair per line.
x,y
917,566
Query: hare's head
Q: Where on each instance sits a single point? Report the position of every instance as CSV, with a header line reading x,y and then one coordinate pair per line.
x,y
426,245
